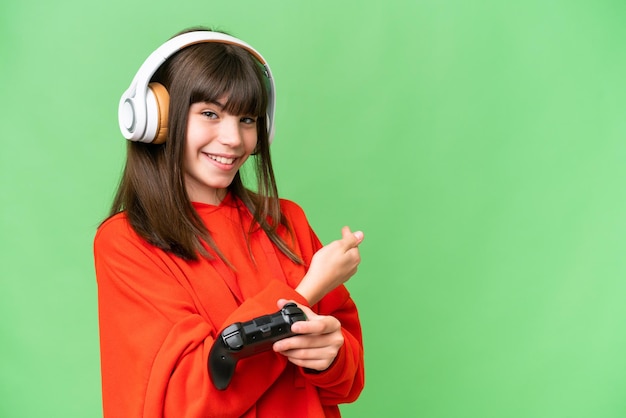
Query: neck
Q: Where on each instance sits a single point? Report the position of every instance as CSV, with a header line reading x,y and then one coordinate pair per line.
x,y
209,197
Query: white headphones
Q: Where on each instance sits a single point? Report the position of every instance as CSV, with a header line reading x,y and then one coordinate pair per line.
x,y
143,108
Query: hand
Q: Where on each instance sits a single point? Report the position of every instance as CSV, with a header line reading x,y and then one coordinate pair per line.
x,y
331,266
318,343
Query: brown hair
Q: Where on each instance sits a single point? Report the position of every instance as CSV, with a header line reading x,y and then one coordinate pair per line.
x,y
152,189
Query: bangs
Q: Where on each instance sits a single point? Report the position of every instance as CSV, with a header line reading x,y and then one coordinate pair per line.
x,y
239,80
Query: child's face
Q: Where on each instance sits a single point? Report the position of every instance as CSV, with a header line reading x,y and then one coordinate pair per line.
x,y
218,144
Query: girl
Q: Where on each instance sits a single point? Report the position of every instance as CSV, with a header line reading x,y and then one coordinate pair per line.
x,y
188,250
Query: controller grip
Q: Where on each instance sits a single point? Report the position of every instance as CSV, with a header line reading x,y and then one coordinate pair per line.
x,y
221,365
241,340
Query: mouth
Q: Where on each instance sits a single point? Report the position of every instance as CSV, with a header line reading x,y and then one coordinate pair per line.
x,y
221,160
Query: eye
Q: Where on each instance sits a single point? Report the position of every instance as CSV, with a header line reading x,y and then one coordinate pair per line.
x,y
209,114
248,120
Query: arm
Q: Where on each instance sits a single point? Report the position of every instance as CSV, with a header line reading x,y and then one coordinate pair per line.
x,y
155,336
331,266
340,376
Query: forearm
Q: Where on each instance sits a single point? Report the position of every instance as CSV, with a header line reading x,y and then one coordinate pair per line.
x,y
154,365
311,291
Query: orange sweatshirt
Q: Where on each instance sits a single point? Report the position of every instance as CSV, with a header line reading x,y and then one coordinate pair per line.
x,y
160,314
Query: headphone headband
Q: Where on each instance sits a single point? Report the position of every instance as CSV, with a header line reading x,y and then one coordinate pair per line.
x,y
135,114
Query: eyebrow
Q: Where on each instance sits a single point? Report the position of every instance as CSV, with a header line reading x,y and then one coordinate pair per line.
x,y
217,103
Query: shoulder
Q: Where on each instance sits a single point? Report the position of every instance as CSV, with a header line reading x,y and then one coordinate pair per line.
x,y
293,212
300,229
114,225
291,207
116,233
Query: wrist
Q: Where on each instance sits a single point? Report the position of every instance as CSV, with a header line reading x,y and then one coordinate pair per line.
x,y
309,292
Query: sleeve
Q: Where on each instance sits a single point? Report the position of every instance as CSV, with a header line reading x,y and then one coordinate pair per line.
x,y
344,380
154,342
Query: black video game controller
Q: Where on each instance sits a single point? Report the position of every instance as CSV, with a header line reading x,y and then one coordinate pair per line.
x,y
244,339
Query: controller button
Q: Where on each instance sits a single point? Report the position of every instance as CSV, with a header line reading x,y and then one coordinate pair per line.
x,y
233,341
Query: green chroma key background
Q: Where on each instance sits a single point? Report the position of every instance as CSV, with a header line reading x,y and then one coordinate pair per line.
x,y
479,144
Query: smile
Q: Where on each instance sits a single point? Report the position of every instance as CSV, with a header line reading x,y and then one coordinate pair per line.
x,y
221,160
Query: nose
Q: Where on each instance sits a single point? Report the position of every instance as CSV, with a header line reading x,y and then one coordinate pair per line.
x,y
229,133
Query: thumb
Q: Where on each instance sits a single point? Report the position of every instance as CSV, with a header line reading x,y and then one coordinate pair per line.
x,y
352,239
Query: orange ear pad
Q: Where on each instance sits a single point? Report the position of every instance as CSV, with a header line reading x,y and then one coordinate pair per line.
x,y
163,103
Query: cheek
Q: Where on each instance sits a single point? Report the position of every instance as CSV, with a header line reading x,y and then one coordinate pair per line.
x,y
189,155
251,142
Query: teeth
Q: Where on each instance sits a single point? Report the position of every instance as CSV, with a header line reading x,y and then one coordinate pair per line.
x,y
222,160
